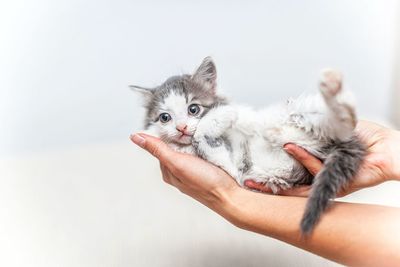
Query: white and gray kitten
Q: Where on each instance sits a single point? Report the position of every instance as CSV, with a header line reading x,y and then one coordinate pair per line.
x,y
187,113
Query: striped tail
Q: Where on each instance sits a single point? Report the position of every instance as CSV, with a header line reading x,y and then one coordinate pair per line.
x,y
340,167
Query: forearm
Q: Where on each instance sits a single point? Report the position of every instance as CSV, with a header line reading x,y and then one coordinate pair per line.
x,y
351,234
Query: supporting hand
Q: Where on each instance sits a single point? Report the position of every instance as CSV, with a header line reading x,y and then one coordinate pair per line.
x,y
381,163
193,176
279,216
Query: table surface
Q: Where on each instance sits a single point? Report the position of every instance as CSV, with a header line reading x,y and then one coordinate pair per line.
x,y
106,205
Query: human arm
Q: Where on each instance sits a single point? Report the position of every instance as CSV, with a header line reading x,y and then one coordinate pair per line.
x,y
381,164
339,236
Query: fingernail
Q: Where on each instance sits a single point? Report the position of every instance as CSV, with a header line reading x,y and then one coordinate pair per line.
x,y
287,148
137,139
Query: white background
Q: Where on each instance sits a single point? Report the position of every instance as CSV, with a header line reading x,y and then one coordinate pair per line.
x,y
74,191
65,65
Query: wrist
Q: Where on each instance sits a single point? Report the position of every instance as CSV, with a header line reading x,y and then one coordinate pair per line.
x,y
231,206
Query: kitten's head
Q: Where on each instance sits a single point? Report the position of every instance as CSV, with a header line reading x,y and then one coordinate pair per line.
x,y
174,108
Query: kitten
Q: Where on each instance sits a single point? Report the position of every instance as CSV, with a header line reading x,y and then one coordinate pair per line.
x,y
187,113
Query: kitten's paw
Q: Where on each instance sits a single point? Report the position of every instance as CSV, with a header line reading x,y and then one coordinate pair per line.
x,y
216,122
330,82
277,184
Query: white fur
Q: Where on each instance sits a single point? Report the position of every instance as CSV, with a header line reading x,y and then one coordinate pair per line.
x,y
307,121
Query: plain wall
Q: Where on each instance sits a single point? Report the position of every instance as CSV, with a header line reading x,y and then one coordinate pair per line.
x,y
396,79
65,65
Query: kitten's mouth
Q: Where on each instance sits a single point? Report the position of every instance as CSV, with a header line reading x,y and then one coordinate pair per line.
x,y
185,138
183,135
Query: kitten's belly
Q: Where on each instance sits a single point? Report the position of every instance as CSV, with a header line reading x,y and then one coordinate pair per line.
x,y
267,158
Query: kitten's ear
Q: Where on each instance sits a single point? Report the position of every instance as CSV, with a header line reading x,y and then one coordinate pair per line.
x,y
206,74
147,93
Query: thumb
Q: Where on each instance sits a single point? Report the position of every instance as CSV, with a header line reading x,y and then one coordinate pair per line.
x,y
154,146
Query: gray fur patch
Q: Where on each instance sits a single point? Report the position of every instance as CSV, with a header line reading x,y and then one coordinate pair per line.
x,y
214,142
180,85
227,143
300,176
200,153
246,163
219,141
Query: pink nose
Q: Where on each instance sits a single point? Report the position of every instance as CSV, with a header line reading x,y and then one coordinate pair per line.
x,y
181,127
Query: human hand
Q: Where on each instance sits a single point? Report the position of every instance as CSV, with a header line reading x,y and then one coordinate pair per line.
x,y
381,163
193,176
213,187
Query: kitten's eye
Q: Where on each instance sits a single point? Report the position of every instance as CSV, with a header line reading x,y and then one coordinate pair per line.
x,y
165,117
193,109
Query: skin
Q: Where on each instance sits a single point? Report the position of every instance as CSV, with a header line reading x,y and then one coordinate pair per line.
x,y
339,236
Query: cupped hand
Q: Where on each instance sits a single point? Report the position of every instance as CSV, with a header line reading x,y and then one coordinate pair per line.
x,y
381,163
191,175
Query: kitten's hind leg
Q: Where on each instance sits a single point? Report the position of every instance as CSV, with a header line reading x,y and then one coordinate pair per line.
x,y
333,118
329,116
338,101
330,83
275,180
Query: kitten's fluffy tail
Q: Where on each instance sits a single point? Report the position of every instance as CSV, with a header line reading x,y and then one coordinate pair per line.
x,y
339,168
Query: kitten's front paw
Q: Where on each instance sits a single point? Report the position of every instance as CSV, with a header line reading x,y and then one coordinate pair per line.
x,y
330,82
216,122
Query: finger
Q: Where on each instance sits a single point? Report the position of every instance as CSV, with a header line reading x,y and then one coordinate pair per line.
x,y
169,178
165,174
257,186
154,146
312,164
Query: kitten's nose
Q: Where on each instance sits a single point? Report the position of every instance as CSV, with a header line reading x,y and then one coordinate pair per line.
x,y
181,127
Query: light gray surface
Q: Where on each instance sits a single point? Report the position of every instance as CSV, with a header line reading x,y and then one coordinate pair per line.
x,y
106,205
